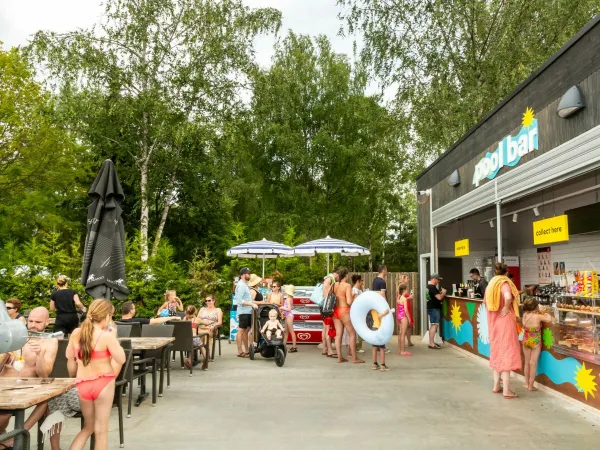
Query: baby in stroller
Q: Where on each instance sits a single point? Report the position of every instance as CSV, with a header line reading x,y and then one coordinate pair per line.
x,y
272,327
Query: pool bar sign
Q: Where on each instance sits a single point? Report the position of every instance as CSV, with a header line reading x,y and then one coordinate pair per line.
x,y
461,248
555,229
510,150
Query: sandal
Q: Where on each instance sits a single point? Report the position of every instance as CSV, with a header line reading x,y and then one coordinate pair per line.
x,y
433,347
510,397
406,354
293,350
333,355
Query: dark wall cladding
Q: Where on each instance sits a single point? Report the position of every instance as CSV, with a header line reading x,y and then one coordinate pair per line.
x,y
576,63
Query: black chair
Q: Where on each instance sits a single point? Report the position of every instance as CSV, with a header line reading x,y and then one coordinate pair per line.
x,y
216,337
136,328
184,343
180,314
137,370
124,330
162,355
60,363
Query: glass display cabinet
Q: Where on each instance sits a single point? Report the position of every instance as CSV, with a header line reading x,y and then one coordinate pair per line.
x,y
577,328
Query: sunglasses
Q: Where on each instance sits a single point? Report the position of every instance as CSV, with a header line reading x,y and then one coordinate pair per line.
x,y
10,307
209,300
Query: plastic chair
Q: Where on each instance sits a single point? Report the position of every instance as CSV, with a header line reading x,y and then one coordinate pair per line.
x,y
216,337
184,343
124,330
162,355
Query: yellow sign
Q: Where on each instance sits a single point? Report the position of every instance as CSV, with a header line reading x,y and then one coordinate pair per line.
x,y
555,229
461,248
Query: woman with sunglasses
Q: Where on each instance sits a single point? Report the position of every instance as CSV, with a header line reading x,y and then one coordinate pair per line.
x,y
210,317
13,305
275,297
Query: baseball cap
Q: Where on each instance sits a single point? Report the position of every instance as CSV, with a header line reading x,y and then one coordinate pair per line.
x,y
245,270
435,275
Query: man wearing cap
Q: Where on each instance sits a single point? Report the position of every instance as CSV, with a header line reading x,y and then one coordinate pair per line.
x,y
243,300
434,307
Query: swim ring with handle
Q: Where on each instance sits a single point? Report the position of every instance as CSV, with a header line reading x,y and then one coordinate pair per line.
x,y
362,306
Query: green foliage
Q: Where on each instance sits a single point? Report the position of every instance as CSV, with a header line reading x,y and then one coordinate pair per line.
x,y
453,62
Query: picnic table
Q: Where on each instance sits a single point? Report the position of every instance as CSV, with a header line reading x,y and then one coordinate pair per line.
x,y
151,343
16,397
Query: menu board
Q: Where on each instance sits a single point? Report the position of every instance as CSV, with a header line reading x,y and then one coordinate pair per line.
x,y
545,268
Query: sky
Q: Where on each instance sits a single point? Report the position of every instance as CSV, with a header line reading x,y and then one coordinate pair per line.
x,y
19,19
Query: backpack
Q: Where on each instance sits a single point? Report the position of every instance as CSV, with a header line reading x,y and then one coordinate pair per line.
x,y
329,303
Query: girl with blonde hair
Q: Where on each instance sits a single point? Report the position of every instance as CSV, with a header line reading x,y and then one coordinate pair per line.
x,y
171,304
96,357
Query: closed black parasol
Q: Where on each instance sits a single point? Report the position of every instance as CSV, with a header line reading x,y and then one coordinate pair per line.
x,y
104,254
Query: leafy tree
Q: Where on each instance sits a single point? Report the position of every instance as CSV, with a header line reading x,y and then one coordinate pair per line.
x,y
452,62
155,67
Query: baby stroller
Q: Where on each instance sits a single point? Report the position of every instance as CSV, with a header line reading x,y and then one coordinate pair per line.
x,y
275,348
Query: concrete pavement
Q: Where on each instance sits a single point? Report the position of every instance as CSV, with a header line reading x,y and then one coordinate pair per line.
x,y
434,399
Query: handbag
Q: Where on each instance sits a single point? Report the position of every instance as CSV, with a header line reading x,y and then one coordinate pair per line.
x,y
329,303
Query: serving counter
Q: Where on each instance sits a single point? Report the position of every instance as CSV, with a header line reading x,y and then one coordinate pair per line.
x,y
570,371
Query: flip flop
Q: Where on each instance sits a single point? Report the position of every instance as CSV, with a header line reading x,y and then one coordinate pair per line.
x,y
406,354
240,355
510,397
358,361
342,361
434,348
499,391
437,346
333,355
411,345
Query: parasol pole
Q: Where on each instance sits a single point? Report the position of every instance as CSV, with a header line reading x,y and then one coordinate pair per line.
x,y
263,272
327,263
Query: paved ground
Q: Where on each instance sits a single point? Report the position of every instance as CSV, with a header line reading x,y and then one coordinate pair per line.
x,y
437,400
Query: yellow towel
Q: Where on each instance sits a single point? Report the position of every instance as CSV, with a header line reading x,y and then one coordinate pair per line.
x,y
493,293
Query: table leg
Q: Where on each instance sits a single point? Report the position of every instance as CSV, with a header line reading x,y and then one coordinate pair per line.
x,y
19,425
162,369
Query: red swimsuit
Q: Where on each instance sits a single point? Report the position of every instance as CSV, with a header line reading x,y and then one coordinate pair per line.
x,y
89,388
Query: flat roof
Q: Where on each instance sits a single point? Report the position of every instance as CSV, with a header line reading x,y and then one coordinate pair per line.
x,y
591,24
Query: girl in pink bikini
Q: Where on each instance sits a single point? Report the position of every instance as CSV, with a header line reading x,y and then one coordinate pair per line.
x,y
288,315
96,356
404,318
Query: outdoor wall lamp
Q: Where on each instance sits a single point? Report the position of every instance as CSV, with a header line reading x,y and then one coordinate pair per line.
x,y
515,217
571,102
536,211
491,224
454,179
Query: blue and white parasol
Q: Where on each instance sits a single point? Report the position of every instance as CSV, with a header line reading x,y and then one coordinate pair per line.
x,y
328,246
260,249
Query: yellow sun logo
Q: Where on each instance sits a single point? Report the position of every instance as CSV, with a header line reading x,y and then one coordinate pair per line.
x,y
455,317
528,117
585,381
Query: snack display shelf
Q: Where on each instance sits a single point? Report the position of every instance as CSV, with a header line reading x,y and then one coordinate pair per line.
x,y
308,324
579,311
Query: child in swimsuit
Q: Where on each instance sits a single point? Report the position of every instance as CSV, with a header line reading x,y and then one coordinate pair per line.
x,y
97,356
532,339
374,322
403,316
272,327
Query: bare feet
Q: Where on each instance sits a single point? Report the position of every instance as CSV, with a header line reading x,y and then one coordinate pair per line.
x,y
357,361
342,360
532,388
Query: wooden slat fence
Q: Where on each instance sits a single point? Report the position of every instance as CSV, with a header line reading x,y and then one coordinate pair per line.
x,y
393,280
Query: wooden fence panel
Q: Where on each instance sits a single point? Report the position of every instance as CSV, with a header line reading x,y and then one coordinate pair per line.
x,y
393,281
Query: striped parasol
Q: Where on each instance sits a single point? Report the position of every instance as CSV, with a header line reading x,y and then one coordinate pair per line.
x,y
260,249
328,246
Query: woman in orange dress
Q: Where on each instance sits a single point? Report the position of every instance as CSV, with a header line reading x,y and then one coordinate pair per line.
x,y
502,301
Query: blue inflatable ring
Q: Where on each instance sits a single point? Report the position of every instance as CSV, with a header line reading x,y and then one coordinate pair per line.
x,y
362,306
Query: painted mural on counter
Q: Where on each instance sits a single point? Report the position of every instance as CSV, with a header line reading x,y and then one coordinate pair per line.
x,y
465,324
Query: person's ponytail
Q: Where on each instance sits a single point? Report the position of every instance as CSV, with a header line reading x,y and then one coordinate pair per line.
x,y
99,310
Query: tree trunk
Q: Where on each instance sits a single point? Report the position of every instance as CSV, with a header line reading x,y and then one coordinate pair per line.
x,y
144,189
165,213
144,210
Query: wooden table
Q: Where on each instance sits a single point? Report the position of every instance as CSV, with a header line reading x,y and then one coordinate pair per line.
x,y
151,343
16,397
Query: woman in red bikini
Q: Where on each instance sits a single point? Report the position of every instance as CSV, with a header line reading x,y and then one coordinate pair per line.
x,y
95,354
341,316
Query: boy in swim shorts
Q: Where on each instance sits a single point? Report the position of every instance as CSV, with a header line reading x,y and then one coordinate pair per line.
x,y
374,322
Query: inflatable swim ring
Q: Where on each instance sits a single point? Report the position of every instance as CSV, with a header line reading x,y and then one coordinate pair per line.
x,y
362,306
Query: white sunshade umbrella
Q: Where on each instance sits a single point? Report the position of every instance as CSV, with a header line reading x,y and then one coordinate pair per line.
x,y
260,249
330,245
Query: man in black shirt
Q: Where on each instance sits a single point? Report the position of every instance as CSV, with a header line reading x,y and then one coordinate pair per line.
x,y
128,312
380,286
434,307
481,282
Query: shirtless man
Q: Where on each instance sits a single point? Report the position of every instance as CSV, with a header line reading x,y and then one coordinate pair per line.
x,y
39,355
341,316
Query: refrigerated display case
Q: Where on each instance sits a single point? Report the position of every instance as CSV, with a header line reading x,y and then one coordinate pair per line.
x,y
577,329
